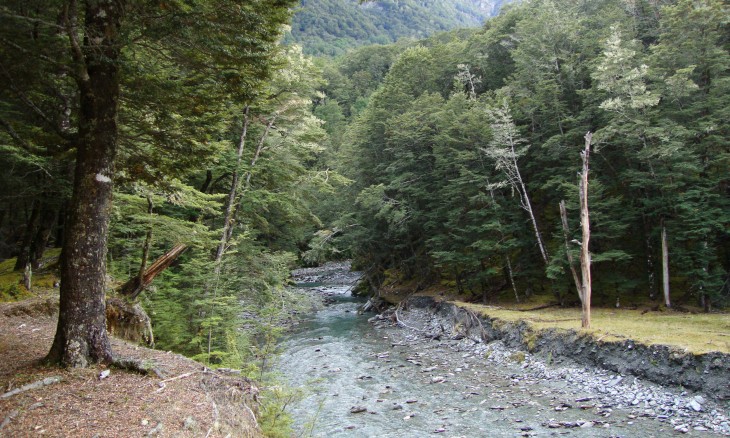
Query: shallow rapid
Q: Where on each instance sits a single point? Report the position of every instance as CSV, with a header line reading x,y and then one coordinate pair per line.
x,y
362,380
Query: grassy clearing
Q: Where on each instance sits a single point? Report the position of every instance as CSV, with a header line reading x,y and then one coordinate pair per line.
x,y
696,333
11,287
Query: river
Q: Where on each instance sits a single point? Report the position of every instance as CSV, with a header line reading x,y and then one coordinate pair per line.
x,y
362,380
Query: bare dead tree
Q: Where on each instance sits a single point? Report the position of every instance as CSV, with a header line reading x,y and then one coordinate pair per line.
x,y
585,254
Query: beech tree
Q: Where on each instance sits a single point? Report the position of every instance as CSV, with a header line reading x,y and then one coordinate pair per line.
x,y
95,46
83,44
648,78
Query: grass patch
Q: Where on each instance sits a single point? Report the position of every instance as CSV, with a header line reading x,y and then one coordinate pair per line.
x,y
11,287
696,333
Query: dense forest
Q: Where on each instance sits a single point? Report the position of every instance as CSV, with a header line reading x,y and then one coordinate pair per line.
x,y
203,124
331,27
462,147
443,161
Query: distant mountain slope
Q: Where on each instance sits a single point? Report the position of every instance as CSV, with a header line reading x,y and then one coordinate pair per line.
x,y
329,27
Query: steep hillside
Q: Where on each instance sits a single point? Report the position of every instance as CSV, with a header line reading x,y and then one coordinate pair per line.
x,y
329,27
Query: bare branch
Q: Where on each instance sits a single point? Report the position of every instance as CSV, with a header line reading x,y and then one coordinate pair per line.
x,y
33,107
5,12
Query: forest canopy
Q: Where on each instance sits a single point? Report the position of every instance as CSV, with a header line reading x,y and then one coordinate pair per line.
x,y
463,145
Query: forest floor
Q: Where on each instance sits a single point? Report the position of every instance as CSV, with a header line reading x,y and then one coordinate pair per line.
x,y
181,398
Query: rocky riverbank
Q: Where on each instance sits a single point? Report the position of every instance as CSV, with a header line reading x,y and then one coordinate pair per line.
x,y
599,377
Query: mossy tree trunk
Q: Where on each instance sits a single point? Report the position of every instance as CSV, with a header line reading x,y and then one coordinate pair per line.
x,y
81,336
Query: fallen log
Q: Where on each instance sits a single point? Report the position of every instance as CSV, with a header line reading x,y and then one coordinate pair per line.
x,y
135,285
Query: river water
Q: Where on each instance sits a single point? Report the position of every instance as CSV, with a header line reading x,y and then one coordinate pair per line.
x,y
366,381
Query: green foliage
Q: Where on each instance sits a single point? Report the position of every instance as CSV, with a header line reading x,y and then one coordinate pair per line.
x,y
273,417
331,27
436,193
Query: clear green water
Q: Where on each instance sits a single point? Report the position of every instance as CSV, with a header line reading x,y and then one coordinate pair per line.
x,y
341,362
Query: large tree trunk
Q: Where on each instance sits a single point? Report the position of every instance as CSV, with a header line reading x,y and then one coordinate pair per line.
x,y
81,336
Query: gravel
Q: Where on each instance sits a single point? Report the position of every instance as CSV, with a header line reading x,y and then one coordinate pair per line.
x,y
682,410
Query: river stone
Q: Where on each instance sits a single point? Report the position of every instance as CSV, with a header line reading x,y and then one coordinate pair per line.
x,y
683,428
695,406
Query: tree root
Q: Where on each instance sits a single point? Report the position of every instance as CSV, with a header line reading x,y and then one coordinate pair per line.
x,y
45,382
137,366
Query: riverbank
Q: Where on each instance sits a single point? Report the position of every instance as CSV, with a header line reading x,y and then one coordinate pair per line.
x,y
612,374
178,397
417,370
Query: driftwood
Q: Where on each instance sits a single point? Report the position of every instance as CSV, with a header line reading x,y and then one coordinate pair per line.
x,y
137,366
399,322
163,384
134,286
11,416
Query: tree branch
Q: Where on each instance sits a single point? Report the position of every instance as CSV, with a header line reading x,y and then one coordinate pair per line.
x,y
20,141
5,12
70,21
25,51
35,109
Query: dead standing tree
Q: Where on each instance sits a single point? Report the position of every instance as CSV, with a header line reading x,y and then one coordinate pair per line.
x,y
582,283
585,254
